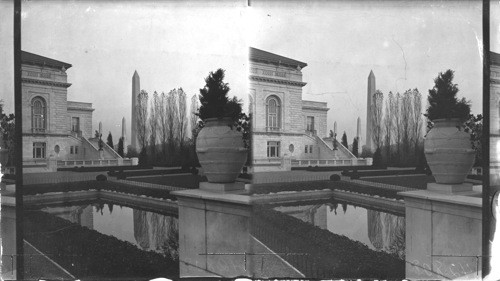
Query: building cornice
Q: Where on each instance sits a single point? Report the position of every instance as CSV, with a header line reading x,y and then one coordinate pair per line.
x,y
43,135
315,108
276,63
45,82
80,108
277,81
275,133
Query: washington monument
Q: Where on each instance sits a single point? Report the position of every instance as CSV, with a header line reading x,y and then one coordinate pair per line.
x,y
371,91
135,93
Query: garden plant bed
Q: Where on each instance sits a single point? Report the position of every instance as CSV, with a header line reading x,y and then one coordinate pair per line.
x,y
103,168
318,253
86,253
320,185
95,185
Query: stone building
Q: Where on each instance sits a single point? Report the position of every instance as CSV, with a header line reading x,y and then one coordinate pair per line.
x,y
287,130
53,127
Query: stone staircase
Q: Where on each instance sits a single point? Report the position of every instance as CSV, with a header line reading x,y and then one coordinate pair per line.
x,y
109,153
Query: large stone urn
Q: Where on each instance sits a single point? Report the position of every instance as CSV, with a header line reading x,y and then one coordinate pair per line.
x,y
220,150
448,151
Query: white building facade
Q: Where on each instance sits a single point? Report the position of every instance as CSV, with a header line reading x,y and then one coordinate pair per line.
x,y
287,130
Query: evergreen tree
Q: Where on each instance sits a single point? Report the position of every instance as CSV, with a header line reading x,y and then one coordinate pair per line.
x,y
355,147
120,147
110,141
344,140
443,101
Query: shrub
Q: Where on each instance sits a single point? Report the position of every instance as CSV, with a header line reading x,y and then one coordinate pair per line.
x,y
334,177
194,171
377,158
101,177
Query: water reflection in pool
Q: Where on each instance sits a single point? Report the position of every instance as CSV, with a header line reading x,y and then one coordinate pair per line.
x,y
147,230
378,230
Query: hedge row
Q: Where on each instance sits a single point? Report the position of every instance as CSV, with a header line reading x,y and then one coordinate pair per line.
x,y
334,168
382,173
320,185
149,172
98,185
103,168
86,253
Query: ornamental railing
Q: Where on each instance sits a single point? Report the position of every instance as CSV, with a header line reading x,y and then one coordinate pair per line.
x,y
330,162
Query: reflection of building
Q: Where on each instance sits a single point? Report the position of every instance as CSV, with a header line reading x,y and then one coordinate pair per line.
x,y
495,119
82,215
313,214
284,125
53,127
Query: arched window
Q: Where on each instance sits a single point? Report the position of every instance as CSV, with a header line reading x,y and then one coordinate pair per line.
x,y
38,115
273,114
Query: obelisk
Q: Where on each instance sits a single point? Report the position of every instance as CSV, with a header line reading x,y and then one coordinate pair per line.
x,y
124,136
100,128
135,93
334,128
371,91
358,135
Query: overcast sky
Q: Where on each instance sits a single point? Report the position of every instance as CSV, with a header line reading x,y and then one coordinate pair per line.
x,y
174,45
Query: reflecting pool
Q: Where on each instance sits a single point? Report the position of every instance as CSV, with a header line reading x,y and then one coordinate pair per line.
x,y
147,230
380,231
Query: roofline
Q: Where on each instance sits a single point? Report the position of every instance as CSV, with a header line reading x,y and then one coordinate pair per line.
x,y
277,61
494,58
43,61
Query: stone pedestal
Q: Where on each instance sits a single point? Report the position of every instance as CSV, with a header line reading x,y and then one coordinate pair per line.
x,y
135,161
214,233
450,188
286,163
52,165
443,234
222,187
